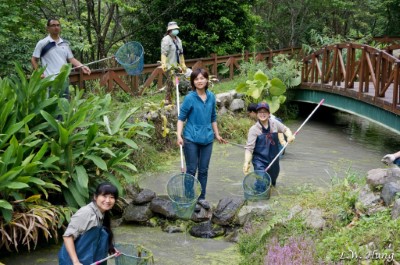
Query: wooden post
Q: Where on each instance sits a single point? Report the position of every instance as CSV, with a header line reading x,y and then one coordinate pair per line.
x,y
335,65
135,85
80,78
396,96
246,56
378,76
353,66
348,67
215,64
313,67
361,72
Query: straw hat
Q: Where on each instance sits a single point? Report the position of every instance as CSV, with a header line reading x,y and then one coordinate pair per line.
x,y
172,25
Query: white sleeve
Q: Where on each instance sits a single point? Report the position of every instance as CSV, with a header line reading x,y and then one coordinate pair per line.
x,y
38,49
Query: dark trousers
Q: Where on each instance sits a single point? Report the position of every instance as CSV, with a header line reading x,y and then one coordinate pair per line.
x,y
197,158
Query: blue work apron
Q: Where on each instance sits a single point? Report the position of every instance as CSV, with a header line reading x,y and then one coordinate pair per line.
x,y
265,150
90,247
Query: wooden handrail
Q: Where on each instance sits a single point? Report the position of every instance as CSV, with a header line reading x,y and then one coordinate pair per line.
x,y
342,66
153,73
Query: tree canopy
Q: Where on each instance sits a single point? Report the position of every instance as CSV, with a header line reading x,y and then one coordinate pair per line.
x,y
96,28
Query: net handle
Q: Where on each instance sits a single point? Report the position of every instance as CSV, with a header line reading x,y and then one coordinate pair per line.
x,y
178,108
108,58
116,254
104,59
295,133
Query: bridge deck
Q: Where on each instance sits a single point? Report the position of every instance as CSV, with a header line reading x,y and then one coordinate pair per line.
x,y
366,96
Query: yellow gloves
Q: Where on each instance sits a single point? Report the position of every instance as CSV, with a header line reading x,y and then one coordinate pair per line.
x,y
388,159
247,159
163,62
181,60
289,135
281,138
182,63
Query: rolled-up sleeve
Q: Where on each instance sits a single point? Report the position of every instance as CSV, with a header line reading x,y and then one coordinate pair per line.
x,y
251,139
79,222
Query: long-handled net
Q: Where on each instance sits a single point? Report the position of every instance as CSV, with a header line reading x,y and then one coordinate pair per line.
x,y
183,190
130,56
256,185
129,254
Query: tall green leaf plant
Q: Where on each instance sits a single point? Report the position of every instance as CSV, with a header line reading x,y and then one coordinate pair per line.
x,y
261,88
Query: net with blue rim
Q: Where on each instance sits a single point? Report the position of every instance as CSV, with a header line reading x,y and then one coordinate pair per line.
x,y
133,255
183,190
256,185
131,57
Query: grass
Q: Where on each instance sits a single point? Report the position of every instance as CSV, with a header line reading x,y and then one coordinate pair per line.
x,y
349,231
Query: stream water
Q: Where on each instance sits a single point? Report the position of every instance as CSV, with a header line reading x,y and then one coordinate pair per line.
x,y
329,145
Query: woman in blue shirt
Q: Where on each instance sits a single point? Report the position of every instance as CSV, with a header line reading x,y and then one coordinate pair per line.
x,y
199,111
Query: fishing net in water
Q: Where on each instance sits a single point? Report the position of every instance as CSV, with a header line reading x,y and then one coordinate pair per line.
x,y
256,185
133,255
183,190
131,57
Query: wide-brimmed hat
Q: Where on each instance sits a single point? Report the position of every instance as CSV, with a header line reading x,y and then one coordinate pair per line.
x,y
262,105
172,25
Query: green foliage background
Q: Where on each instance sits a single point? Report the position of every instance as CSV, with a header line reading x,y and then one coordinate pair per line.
x,y
96,28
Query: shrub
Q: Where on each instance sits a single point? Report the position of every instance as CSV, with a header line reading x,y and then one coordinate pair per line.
x,y
50,145
297,251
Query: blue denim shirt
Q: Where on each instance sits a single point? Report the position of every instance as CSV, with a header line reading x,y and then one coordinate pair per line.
x,y
199,116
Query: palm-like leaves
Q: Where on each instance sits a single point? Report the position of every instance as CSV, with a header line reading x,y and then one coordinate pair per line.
x,y
50,145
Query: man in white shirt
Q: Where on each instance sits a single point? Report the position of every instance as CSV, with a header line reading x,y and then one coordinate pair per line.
x,y
54,52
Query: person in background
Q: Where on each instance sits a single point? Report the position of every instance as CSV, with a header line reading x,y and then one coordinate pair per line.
x,y
262,143
53,52
198,110
172,56
392,159
252,111
91,223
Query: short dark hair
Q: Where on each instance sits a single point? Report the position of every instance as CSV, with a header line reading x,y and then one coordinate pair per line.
x,y
252,107
50,19
195,73
106,188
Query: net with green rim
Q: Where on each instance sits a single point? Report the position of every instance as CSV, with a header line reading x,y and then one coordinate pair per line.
x,y
131,57
133,255
183,190
256,185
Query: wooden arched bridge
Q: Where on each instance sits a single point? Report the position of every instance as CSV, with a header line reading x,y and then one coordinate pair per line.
x,y
351,77
355,78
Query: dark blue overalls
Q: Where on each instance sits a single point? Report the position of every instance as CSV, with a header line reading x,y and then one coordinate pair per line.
x,y
90,247
265,150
